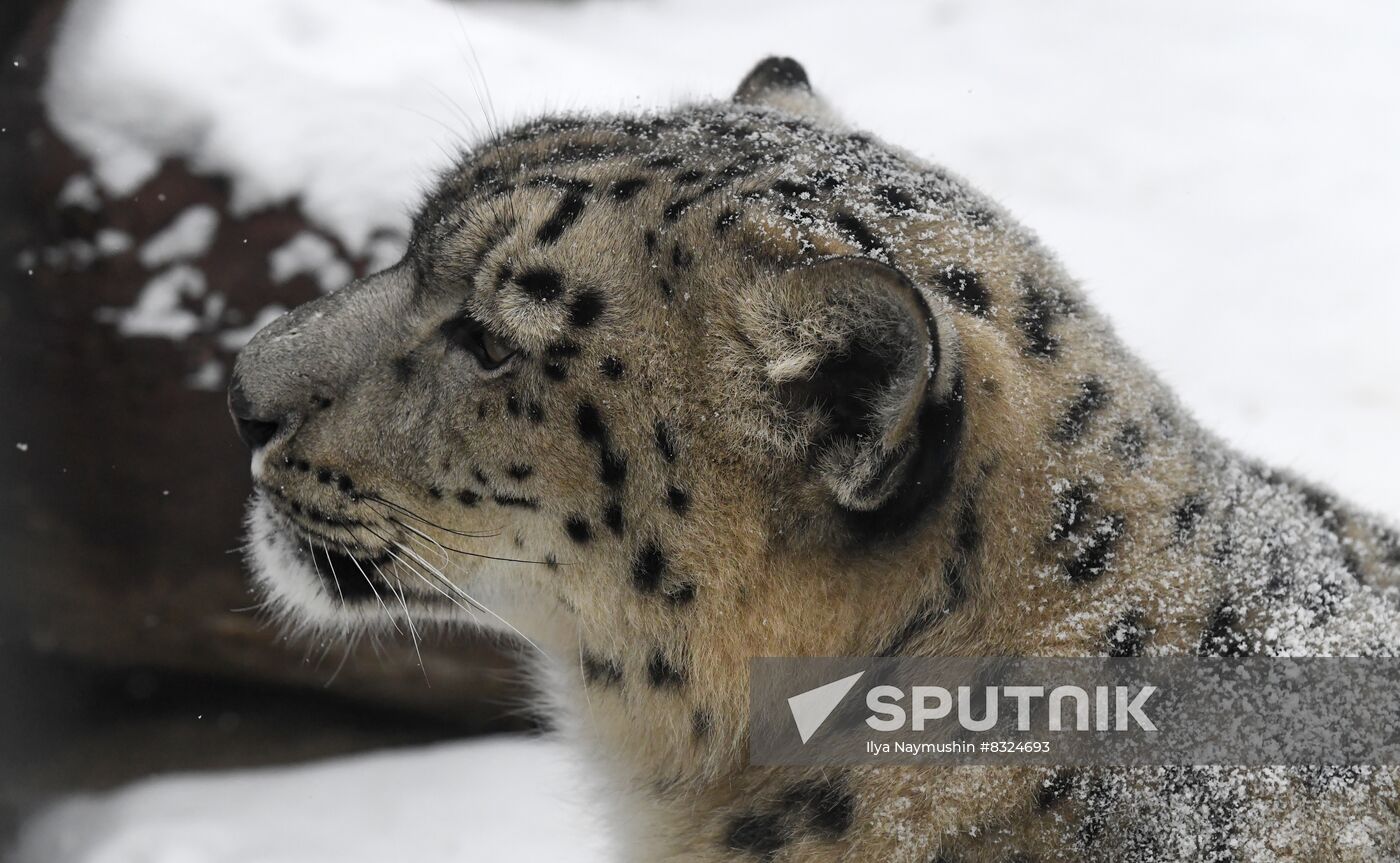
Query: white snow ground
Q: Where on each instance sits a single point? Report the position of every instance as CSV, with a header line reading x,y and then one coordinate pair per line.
x,y
509,799
1221,176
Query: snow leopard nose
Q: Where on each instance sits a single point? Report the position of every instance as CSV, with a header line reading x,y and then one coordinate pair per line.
x,y
254,430
298,365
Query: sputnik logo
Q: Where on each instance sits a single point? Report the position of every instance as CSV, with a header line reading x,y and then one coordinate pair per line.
x,y
811,708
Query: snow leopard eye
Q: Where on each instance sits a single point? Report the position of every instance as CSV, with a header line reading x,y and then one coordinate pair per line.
x,y
469,334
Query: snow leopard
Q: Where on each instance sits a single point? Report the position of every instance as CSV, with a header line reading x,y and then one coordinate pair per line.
x,y
659,393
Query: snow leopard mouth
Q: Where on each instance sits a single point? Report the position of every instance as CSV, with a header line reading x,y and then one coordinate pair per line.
x,y
333,550
340,578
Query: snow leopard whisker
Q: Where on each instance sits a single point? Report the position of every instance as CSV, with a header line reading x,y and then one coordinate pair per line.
x,y
408,618
449,597
349,647
370,582
417,517
331,564
389,548
457,589
460,551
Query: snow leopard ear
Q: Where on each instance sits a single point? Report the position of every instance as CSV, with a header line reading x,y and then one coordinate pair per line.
x,y
850,348
781,83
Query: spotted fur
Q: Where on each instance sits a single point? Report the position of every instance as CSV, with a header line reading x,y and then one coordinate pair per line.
x,y
668,392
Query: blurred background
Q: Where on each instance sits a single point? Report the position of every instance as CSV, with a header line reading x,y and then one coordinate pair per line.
x,y
1223,178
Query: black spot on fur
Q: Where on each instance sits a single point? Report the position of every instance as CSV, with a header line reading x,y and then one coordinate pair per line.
x,y
541,283
612,467
1091,398
822,807
1320,504
1054,788
1221,636
578,529
613,517
517,502
1071,510
678,499
611,367
519,471
534,412
1127,636
665,441
649,240
1390,546
680,594
513,404
662,674
790,189
1097,552
1352,562
857,231
666,290
663,162
434,492
626,189
1041,309
555,372
585,309
648,567
681,259
1187,515
898,199
677,208
568,211
726,220
600,671
480,476
1130,444
467,497
761,834
405,367
690,176
590,424
965,288
701,724
969,535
